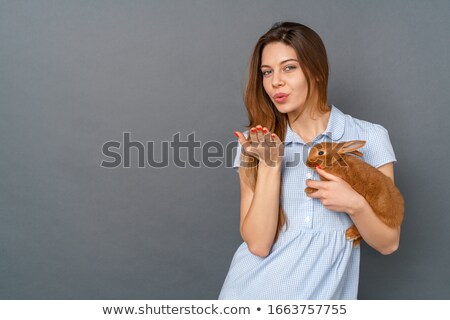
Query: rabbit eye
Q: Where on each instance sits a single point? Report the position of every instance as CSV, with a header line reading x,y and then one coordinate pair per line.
x,y
321,153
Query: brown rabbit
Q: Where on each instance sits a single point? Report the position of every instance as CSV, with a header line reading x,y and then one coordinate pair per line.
x,y
377,188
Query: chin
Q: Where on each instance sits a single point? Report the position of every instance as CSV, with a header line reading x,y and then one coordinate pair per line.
x,y
284,109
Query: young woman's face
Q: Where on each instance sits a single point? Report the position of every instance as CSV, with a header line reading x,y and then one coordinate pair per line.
x,y
282,75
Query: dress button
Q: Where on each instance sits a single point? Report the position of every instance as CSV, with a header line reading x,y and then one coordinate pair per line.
x,y
307,219
309,175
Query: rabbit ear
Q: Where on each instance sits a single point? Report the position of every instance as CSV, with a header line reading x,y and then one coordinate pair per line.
x,y
357,153
352,146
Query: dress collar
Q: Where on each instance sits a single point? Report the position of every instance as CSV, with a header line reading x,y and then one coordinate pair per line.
x,y
334,130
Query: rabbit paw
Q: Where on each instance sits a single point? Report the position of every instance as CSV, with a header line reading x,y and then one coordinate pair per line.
x,y
309,190
352,233
356,242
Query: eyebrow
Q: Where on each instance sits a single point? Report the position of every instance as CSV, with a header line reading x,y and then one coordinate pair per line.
x,y
264,65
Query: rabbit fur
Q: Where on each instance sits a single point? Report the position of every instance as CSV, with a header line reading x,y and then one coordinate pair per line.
x,y
341,159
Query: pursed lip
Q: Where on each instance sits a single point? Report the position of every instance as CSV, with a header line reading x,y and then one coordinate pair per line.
x,y
280,95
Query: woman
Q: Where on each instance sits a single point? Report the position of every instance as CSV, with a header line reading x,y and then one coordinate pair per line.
x,y
294,244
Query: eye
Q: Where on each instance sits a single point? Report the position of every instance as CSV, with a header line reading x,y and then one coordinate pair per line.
x,y
321,153
265,72
290,67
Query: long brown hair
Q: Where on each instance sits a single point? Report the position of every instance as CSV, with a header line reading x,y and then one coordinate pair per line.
x,y
312,56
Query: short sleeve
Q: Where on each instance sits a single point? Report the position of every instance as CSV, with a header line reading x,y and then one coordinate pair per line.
x,y
378,149
237,158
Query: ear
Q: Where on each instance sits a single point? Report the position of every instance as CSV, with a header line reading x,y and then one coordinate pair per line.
x,y
352,146
357,153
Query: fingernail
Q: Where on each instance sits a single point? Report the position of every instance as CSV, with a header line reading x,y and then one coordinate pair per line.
x,y
273,134
259,128
236,134
318,167
252,129
265,130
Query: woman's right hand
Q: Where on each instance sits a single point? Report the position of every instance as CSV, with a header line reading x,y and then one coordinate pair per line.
x,y
263,145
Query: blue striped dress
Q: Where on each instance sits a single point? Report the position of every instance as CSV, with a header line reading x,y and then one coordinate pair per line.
x,y
311,258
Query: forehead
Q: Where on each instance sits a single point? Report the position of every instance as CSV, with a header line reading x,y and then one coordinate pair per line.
x,y
276,52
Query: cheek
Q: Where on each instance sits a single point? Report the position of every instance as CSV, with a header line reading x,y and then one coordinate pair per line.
x,y
300,85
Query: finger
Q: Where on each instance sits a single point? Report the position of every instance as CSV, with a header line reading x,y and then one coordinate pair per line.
x,y
326,175
266,135
260,133
245,141
316,184
253,135
275,139
241,138
316,194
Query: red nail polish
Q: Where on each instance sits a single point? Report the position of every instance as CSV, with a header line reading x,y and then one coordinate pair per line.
x,y
235,133
318,167
252,130
258,128
265,130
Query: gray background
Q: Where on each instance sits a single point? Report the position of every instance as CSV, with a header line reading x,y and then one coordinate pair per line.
x,y
76,74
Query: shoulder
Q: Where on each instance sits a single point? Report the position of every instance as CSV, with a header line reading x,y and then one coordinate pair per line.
x,y
346,127
364,128
373,133
378,149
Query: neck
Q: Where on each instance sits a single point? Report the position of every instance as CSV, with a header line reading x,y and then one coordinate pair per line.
x,y
307,125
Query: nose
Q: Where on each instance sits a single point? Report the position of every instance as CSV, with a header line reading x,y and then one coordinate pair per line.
x,y
277,79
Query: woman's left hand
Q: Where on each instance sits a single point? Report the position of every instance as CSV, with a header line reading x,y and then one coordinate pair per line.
x,y
335,194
